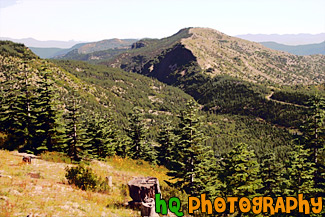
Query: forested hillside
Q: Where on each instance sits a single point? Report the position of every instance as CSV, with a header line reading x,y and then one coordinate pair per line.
x,y
240,126
104,92
227,74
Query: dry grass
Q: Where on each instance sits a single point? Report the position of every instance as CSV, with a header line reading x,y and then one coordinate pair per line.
x,y
49,195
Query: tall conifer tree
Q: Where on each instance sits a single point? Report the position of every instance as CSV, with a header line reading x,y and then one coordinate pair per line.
x,y
313,140
26,112
49,136
75,134
102,136
240,172
140,146
189,150
166,140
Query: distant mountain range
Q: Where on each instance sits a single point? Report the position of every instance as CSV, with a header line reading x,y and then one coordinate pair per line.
x,y
287,39
308,49
31,42
298,44
84,48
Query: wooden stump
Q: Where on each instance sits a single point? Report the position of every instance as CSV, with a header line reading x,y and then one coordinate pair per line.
x,y
148,208
27,159
142,191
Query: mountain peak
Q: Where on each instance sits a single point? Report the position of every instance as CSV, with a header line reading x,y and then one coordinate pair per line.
x,y
216,53
205,30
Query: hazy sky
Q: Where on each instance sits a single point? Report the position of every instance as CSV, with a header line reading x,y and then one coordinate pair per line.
x,y
90,20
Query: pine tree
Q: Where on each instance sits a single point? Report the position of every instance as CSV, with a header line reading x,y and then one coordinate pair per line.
x,y
313,139
239,173
140,147
9,121
207,180
123,146
102,135
274,183
301,171
301,174
166,140
26,112
188,152
75,135
49,136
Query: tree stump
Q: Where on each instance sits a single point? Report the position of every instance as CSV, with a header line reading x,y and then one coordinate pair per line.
x,y
27,159
148,208
142,191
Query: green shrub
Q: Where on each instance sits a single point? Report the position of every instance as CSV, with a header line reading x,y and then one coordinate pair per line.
x,y
84,178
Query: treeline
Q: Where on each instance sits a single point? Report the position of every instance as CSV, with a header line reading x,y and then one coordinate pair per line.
x,y
197,169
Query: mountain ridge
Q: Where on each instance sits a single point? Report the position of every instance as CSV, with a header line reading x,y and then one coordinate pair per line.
x,y
217,53
83,48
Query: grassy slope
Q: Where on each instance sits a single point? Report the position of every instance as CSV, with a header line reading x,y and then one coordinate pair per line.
x,y
50,195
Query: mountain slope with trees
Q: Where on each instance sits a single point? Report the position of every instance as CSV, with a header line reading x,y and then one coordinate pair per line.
x,y
109,94
224,73
219,147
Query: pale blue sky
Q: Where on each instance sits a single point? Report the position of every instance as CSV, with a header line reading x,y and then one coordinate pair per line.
x,y
91,20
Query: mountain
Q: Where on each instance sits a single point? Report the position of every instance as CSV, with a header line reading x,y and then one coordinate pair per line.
x,y
237,118
106,90
54,52
46,52
308,49
227,74
287,39
99,86
78,51
105,45
214,54
31,42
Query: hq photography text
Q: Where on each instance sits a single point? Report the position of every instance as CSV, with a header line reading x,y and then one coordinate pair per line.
x,y
231,205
